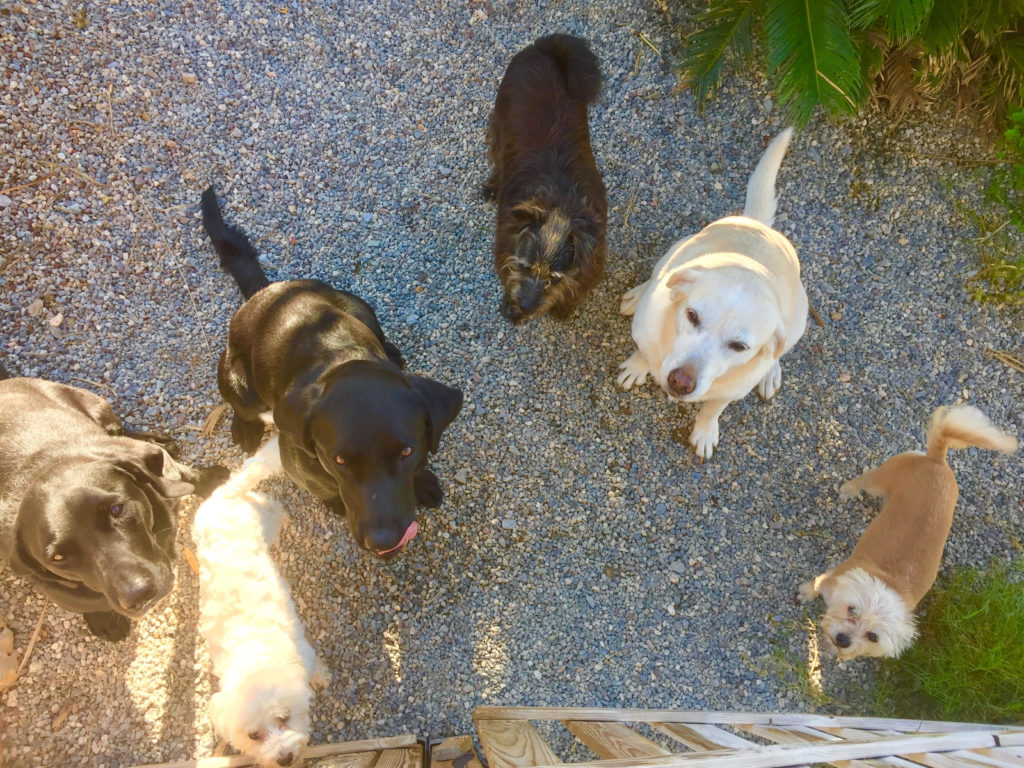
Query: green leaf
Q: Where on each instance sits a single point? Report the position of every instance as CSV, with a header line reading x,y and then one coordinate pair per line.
x,y
990,18
812,54
944,26
724,27
903,18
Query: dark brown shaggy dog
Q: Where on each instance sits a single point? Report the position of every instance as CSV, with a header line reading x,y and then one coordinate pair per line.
x,y
549,251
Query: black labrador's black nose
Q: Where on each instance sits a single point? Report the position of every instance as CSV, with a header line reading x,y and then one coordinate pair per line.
x,y
681,382
842,640
137,595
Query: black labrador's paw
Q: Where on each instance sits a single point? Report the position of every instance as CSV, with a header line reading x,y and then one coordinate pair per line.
x,y
109,625
209,479
428,489
166,442
247,434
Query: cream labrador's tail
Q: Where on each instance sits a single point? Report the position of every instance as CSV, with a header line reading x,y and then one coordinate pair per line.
x,y
761,199
963,425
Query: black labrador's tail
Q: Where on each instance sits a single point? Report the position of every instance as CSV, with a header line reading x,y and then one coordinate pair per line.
x,y
4,374
237,256
578,63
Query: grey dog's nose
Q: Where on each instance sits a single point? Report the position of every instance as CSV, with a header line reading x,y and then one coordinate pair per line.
x,y
842,640
680,382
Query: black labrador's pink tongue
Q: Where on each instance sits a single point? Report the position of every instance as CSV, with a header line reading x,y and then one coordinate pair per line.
x,y
408,536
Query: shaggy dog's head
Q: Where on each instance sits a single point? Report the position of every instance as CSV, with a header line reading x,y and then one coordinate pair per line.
x,y
265,713
866,617
549,253
726,319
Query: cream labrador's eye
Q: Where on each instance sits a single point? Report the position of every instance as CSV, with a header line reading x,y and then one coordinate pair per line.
x,y
738,346
692,316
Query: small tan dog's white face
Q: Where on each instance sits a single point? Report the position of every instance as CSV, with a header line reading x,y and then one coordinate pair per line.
x,y
865,617
724,319
266,715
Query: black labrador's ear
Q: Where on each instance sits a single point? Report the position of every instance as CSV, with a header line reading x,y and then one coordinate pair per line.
x,y
443,405
293,413
147,466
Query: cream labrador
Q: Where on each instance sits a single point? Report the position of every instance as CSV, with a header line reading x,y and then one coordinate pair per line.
x,y
720,309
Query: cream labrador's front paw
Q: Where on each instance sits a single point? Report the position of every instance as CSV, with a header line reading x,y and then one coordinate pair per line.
x,y
704,439
849,490
633,371
771,382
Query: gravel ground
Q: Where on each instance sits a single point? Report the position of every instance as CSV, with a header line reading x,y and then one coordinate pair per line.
x,y
582,556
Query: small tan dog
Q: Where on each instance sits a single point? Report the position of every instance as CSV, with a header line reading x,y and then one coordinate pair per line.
x,y
871,596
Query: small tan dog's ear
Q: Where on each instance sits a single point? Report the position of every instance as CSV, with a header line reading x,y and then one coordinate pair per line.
x,y
776,343
680,281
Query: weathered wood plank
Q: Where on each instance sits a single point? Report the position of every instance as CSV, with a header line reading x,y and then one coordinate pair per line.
x,y
798,734
609,740
514,744
319,750
721,718
783,755
958,759
703,737
444,753
353,760
410,757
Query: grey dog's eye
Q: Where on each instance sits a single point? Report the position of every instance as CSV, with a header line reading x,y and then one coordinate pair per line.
x,y
407,452
691,315
116,510
737,346
872,637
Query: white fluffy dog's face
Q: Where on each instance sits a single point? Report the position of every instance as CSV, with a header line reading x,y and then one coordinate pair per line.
x,y
724,318
866,617
266,715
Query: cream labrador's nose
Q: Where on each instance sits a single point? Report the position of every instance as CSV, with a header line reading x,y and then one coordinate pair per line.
x,y
681,382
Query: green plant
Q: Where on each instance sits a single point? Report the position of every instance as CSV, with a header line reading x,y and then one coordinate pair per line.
x,y
840,53
968,663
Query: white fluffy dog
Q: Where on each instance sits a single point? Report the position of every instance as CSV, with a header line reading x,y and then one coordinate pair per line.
x,y
720,309
266,667
871,595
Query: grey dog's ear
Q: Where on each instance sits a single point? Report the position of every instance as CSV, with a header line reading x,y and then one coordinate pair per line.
x,y
776,343
681,281
147,466
294,411
443,404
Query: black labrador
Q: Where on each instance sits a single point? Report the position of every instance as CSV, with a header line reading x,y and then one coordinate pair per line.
x,y
355,429
88,512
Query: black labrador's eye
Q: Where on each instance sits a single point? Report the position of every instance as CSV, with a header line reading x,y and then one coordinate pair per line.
x,y
872,637
339,461
117,511
691,315
58,558
257,735
407,452
737,346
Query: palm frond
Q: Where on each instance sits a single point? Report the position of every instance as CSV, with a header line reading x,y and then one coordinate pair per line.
x,y
990,18
723,28
945,24
903,18
811,52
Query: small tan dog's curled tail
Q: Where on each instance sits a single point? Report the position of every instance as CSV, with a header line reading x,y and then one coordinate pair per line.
x,y
871,596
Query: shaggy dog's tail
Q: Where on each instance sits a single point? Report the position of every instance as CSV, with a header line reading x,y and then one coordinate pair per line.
x,y
761,199
964,425
237,256
577,62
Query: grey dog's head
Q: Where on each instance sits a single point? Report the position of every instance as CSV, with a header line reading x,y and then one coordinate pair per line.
x,y
548,256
